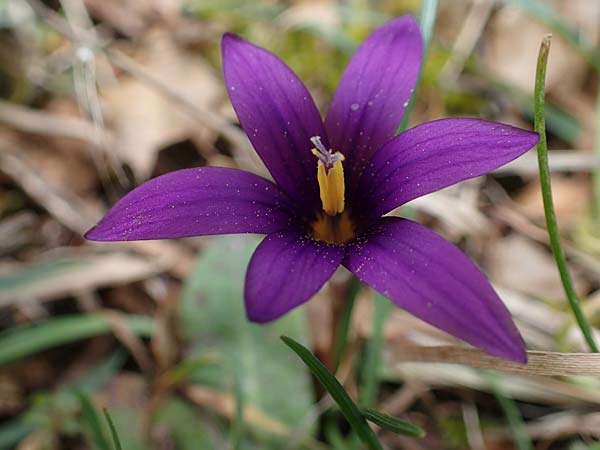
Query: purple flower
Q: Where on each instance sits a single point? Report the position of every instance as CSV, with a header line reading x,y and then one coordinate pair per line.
x,y
334,180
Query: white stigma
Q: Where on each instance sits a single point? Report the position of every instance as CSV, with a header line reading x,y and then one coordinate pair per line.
x,y
327,157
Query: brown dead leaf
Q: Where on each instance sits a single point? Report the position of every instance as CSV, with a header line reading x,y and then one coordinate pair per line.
x,y
144,120
527,267
131,18
84,272
512,47
571,198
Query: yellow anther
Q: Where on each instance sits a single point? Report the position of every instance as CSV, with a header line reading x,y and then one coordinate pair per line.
x,y
331,187
330,175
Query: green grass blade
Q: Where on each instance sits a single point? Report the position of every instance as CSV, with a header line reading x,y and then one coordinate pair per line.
x,y
511,412
392,423
596,173
91,418
370,365
427,23
551,224
26,340
113,431
338,393
341,337
237,429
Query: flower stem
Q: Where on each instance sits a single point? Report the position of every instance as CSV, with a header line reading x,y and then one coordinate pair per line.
x,y
427,22
342,328
542,152
371,363
511,412
596,172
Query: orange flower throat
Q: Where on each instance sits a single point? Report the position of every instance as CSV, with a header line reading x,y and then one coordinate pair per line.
x,y
333,224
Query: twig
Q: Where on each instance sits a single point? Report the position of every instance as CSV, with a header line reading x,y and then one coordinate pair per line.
x,y
464,44
43,123
558,160
70,211
203,115
539,363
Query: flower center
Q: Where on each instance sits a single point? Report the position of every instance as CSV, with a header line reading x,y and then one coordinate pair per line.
x,y
337,229
333,225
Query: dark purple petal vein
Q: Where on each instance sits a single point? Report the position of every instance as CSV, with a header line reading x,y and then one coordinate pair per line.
x,y
434,155
373,92
286,270
277,113
435,281
195,202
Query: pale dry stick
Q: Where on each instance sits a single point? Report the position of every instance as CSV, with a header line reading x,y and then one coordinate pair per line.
x,y
83,38
559,161
299,434
468,37
67,208
40,122
538,389
473,426
130,340
201,114
71,211
224,404
205,116
539,364
86,86
561,425
511,216
399,402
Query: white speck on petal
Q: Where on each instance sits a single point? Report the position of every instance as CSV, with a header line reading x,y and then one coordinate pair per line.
x,y
354,106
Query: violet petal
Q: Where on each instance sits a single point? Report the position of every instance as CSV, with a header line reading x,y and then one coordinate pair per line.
x,y
286,270
277,113
435,281
434,155
374,91
194,202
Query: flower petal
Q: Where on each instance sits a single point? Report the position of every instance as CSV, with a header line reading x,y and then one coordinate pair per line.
x,y
278,115
374,91
286,270
434,155
435,281
195,202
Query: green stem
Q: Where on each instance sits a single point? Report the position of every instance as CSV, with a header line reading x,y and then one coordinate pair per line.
x,y
511,412
343,327
596,172
427,22
370,366
542,152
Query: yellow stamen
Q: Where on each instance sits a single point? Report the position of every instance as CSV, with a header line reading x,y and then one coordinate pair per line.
x,y
331,187
330,175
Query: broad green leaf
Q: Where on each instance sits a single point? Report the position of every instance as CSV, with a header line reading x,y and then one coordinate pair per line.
x,y
214,320
184,425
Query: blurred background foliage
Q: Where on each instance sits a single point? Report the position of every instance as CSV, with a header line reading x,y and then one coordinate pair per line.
x,y
97,96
